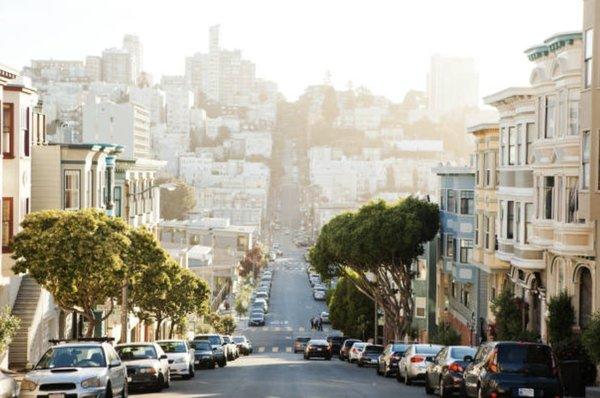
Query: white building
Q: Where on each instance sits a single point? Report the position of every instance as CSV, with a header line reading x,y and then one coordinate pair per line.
x,y
153,99
132,44
118,66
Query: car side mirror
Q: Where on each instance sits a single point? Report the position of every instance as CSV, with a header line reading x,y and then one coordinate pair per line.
x,y
114,363
163,356
468,358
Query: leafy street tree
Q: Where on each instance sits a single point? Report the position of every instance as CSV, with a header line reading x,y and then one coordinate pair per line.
x,y
510,320
375,248
561,318
174,205
76,256
222,324
189,295
252,262
351,311
9,325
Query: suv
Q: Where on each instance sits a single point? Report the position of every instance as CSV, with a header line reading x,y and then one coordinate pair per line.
x,y
217,343
80,368
521,369
335,342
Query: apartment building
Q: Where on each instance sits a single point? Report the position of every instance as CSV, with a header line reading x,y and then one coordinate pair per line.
x,y
493,270
118,66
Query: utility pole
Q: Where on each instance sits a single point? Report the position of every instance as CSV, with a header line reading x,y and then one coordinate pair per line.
x,y
375,324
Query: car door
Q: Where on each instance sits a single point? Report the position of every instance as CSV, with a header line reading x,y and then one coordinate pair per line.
x,y
384,357
116,370
437,367
471,373
164,361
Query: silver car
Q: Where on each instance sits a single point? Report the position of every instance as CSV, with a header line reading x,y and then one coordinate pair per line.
x,y
414,362
83,369
180,357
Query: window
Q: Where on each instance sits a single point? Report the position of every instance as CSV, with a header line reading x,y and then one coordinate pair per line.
x,y
451,201
88,189
420,307
487,164
467,202
503,157
517,222
242,243
589,51
477,171
573,128
476,225
443,203
572,200
548,197
528,219
449,246
466,298
118,201
8,130
7,223
26,133
510,219
518,156
421,269
487,230
585,160
72,181
454,289
466,251
529,138
550,121
512,136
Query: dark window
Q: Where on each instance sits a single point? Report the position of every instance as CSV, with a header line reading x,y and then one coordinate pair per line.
x,y
510,219
585,297
548,197
585,160
26,134
72,189
466,250
467,202
451,201
8,130
449,246
118,201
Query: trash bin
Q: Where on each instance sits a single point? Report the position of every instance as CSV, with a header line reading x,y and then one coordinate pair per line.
x,y
573,384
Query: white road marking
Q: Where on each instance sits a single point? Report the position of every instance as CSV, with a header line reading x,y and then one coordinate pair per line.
x,y
301,329
289,329
265,328
261,349
277,329
275,349
288,349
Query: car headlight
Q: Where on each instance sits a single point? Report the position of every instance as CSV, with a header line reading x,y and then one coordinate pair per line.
x,y
92,382
28,385
148,370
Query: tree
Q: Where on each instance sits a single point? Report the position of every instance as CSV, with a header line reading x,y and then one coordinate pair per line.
x,y
253,261
9,325
76,256
375,248
350,310
561,318
174,205
510,322
190,295
591,338
445,334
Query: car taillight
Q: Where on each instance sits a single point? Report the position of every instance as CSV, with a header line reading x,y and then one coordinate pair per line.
x,y
354,350
455,367
493,394
417,358
493,363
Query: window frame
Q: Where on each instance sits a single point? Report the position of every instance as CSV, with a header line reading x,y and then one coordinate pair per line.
x,y
8,108
77,173
586,142
588,55
466,251
548,197
510,219
512,135
11,213
449,246
468,197
550,115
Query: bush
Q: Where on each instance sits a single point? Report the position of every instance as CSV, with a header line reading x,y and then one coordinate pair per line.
x,y
561,318
508,311
445,334
573,349
591,338
8,327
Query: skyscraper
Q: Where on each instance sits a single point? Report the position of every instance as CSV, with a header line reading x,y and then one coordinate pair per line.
x,y
132,44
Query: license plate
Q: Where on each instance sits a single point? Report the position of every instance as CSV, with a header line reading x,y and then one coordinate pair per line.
x,y
373,361
319,349
128,381
56,395
526,392
196,362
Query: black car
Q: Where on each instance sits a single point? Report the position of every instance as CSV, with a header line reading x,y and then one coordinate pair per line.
x,y
147,365
370,355
204,357
218,346
512,369
317,349
256,319
388,360
335,342
345,348
445,373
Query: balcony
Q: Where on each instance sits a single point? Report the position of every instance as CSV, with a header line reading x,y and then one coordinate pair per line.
x,y
562,150
565,238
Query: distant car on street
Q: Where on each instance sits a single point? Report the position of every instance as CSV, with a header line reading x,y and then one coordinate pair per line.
x,y
180,356
204,357
388,360
355,351
317,348
345,349
300,344
231,348
256,319
369,355
147,365
325,317
445,373
414,362
319,295
217,343
244,345
335,342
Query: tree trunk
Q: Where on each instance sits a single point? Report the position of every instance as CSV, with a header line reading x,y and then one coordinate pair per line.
x,y
124,314
171,329
157,330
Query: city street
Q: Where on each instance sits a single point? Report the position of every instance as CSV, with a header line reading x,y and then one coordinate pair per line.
x,y
274,370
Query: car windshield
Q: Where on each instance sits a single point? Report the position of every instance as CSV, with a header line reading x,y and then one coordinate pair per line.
x,y
171,347
359,346
135,352
525,358
72,357
214,340
427,350
201,345
399,348
349,343
461,352
239,339
374,349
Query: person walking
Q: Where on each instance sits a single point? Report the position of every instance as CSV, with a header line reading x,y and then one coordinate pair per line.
x,y
312,323
320,324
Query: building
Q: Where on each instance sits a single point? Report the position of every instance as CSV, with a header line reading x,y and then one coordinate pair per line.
x,y
458,279
132,44
452,84
424,291
152,99
493,271
93,68
55,71
118,66
125,124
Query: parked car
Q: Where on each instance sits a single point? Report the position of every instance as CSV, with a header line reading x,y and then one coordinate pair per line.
x,y
335,342
300,344
445,373
414,362
147,365
521,369
232,351
91,368
180,356
8,385
325,317
244,345
262,294
355,351
217,343
317,348
258,302
256,319
388,360
204,356
345,349
319,295
370,355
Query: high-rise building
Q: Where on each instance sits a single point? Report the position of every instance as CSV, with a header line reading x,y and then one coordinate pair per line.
x,y
118,66
93,68
132,44
452,83
179,101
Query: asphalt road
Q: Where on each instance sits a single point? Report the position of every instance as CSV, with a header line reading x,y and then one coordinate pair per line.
x,y
273,370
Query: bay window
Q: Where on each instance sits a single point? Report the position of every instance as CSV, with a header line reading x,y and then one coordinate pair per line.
x,y
548,197
72,180
573,128
512,136
467,202
588,54
466,251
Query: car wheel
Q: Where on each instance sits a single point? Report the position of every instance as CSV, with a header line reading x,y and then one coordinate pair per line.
x,y
428,389
168,380
399,378
378,370
223,363
108,393
192,371
212,365
407,379
359,363
328,358
160,383
442,390
479,392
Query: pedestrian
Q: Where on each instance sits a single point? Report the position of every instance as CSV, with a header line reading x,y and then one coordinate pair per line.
x,y
312,323
320,323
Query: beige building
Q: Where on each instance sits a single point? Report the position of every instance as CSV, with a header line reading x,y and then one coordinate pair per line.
x,y
493,269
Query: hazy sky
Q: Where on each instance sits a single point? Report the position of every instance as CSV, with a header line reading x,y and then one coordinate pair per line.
x,y
384,45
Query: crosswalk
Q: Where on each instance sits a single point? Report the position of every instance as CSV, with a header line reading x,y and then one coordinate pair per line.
x,y
299,329
274,349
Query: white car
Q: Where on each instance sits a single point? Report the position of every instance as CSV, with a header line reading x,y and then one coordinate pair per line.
x,y
325,317
261,302
355,351
79,369
180,357
319,295
413,364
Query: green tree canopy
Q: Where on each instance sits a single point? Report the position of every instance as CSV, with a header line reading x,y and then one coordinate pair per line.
x,y
189,295
351,311
375,248
561,318
76,256
252,262
174,205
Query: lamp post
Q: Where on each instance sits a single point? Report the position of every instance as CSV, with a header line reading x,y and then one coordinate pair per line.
x,y
124,289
